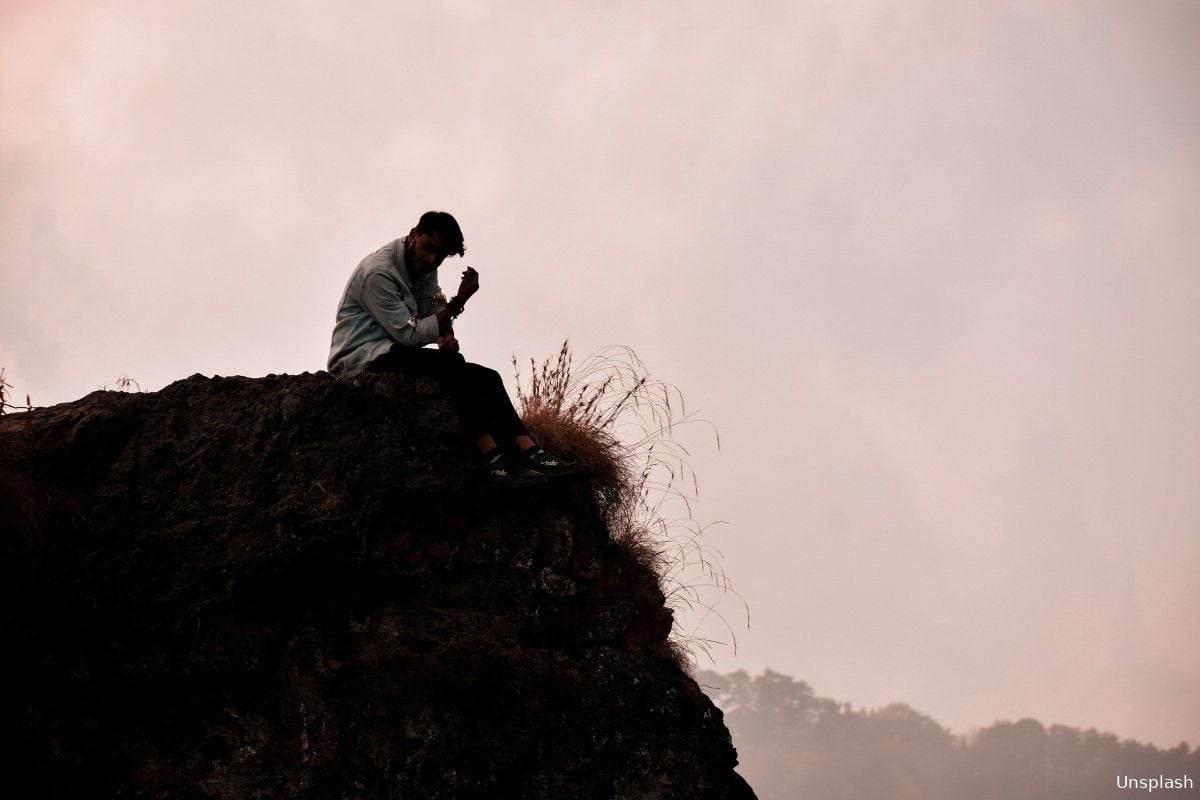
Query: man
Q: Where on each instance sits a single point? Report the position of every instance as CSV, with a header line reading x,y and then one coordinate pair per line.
x,y
392,307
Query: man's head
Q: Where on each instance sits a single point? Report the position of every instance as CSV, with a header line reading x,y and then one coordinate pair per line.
x,y
435,237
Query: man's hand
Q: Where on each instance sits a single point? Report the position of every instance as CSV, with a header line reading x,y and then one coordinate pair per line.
x,y
469,285
447,343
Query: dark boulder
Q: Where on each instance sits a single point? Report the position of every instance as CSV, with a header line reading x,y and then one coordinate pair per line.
x,y
290,587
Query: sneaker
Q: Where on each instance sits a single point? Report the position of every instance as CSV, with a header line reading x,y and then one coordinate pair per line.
x,y
552,466
498,472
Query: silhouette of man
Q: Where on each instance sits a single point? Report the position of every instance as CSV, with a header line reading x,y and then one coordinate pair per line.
x,y
392,308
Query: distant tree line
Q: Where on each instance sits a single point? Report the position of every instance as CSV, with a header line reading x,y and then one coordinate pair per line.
x,y
794,744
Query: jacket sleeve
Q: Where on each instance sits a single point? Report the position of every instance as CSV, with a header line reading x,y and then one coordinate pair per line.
x,y
395,309
439,302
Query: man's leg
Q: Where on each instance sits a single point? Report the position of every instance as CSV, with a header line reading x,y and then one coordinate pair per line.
x,y
447,369
484,388
484,406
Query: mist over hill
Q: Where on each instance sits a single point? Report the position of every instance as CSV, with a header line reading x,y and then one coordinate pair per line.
x,y
793,743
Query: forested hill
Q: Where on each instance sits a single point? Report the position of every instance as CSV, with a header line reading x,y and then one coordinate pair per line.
x,y
793,744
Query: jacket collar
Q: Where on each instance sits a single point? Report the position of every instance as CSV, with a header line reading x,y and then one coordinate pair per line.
x,y
402,271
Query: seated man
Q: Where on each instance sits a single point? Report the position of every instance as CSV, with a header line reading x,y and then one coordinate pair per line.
x,y
392,307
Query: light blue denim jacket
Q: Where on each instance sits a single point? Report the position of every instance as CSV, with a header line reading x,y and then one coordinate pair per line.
x,y
381,306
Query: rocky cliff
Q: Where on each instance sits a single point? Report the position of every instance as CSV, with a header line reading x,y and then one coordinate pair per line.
x,y
288,587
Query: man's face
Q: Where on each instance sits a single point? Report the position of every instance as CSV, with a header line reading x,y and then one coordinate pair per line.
x,y
423,252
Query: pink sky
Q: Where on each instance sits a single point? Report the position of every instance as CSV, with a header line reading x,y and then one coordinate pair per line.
x,y
930,268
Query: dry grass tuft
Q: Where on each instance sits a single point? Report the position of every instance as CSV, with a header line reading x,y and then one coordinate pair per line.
x,y
611,414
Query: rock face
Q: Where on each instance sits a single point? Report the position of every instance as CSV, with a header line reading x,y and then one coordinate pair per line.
x,y
289,587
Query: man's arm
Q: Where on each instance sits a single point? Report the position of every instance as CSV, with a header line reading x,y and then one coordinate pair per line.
x,y
395,309
447,311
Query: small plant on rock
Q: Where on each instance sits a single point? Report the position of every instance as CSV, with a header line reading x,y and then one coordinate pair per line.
x,y
5,386
608,412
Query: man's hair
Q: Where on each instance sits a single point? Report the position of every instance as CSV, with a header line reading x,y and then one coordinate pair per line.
x,y
444,226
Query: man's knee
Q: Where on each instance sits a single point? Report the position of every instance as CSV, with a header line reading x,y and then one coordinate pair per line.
x,y
483,375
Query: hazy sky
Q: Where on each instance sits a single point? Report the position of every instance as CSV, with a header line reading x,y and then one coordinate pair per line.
x,y
931,268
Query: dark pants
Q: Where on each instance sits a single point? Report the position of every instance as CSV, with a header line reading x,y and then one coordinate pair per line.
x,y
476,391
